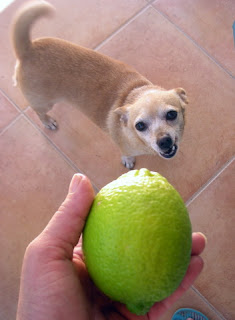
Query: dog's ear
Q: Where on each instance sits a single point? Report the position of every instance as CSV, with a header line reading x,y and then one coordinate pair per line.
x,y
123,112
182,94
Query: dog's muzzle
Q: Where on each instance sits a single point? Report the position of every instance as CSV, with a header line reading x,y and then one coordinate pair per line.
x,y
167,147
170,153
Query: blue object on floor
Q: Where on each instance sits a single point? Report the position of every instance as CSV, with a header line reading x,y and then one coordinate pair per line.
x,y
185,313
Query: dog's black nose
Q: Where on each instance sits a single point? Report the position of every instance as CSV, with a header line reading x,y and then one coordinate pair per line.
x,y
165,143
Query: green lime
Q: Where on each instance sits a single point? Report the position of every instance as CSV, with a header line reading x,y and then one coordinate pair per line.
x,y
137,240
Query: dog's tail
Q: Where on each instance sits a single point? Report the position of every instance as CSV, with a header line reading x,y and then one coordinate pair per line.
x,y
22,23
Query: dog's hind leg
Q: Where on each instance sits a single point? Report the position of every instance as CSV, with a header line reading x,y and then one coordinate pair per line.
x,y
41,107
48,122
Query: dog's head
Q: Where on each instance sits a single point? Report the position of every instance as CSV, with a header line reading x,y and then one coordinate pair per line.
x,y
157,119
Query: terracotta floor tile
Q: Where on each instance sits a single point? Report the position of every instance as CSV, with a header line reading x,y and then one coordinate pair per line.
x,y
34,182
87,146
192,300
84,22
212,213
207,22
8,112
146,44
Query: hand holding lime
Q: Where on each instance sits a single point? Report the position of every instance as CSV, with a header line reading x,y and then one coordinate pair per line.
x,y
137,240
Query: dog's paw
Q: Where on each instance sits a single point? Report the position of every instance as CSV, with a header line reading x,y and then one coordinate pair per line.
x,y
128,162
50,123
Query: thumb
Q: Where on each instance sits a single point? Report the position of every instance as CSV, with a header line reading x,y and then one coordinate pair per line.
x,y
65,228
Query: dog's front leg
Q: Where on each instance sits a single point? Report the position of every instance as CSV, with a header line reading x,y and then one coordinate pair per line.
x,y
128,161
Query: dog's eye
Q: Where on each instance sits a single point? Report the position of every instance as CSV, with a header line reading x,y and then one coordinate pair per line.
x,y
171,115
140,126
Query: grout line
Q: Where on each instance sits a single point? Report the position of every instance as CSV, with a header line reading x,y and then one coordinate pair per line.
x,y
123,26
11,101
22,113
209,182
11,123
61,153
26,109
208,303
53,144
213,59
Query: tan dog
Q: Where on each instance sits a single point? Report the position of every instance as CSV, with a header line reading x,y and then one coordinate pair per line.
x,y
140,117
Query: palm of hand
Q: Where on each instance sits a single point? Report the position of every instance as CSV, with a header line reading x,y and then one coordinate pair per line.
x,y
68,286
64,283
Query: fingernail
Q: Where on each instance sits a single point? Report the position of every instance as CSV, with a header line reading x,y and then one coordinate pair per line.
x,y
75,182
202,234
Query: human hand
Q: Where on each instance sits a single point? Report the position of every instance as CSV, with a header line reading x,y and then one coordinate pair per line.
x,y
55,284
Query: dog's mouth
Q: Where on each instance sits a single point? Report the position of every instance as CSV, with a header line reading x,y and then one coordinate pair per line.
x,y
170,153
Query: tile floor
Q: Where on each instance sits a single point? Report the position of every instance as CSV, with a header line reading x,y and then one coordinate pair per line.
x,y
183,43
